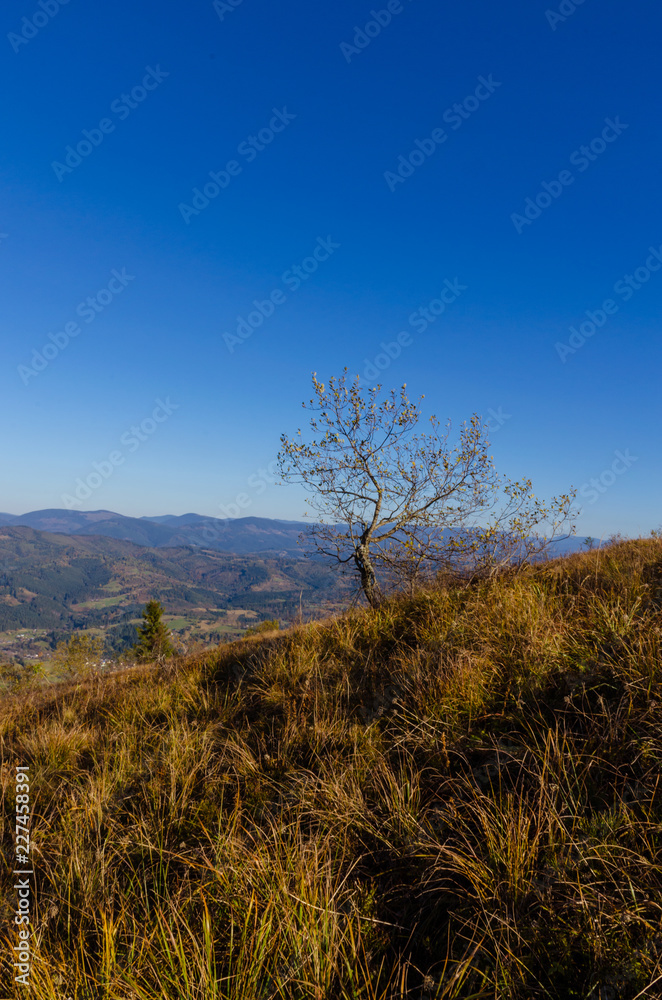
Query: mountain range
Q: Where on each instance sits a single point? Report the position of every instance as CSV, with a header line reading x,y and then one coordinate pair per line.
x,y
66,570
241,536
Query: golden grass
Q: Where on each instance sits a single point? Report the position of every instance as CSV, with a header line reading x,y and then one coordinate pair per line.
x,y
455,796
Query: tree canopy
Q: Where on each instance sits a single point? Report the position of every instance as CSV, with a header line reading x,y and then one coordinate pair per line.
x,y
388,498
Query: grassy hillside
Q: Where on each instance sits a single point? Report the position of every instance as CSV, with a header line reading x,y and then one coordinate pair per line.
x,y
455,796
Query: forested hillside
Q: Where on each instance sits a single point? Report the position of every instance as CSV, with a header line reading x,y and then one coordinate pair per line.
x,y
60,583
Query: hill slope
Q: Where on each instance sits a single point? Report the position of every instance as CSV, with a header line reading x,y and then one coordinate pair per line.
x,y
457,796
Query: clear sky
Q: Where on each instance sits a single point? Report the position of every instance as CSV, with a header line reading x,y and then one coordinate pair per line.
x,y
405,158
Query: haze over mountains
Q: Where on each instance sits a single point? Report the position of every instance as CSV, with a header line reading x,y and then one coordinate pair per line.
x,y
240,536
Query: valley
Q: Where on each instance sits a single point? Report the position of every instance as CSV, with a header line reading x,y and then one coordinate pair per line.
x,y
52,585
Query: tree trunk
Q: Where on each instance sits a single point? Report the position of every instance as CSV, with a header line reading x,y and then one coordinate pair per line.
x,y
368,579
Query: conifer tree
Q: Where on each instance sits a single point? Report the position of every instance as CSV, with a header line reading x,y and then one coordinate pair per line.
x,y
153,636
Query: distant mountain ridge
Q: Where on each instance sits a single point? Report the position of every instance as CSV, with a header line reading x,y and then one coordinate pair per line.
x,y
240,536
237,536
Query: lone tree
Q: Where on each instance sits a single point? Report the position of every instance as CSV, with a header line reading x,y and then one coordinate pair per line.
x,y
153,636
410,504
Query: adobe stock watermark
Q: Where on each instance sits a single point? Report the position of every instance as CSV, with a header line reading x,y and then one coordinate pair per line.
x,y
88,310
293,278
223,7
122,107
258,482
419,321
598,485
249,150
625,287
581,158
380,19
455,116
31,26
496,420
131,440
566,9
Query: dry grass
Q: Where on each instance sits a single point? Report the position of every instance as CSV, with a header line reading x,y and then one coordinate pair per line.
x,y
457,796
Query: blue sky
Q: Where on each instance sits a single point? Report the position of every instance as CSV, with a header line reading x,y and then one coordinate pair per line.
x,y
308,115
